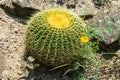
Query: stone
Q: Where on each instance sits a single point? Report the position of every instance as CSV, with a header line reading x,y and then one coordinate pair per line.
x,y
107,21
7,5
19,8
110,30
85,7
25,8
2,63
20,72
118,53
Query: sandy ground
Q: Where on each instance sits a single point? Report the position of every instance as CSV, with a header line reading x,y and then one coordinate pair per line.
x,y
11,45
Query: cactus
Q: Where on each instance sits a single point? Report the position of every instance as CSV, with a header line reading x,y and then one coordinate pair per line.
x,y
53,37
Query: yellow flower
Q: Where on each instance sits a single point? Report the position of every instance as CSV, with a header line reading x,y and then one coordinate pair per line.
x,y
59,19
84,39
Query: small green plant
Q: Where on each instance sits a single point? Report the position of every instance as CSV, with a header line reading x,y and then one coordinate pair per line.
x,y
88,58
31,59
91,48
31,64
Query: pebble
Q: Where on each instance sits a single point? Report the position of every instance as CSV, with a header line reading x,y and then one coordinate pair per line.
x,y
20,72
110,79
118,53
106,11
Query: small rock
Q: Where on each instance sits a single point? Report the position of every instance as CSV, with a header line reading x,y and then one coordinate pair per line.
x,y
25,8
108,25
84,7
118,53
106,11
110,79
19,8
20,72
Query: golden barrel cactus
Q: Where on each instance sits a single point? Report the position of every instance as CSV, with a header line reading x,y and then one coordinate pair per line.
x,y
53,37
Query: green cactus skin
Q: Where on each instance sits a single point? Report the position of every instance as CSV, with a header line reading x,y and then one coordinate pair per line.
x,y
54,46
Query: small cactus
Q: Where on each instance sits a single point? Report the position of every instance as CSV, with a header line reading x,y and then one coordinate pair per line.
x,y
53,37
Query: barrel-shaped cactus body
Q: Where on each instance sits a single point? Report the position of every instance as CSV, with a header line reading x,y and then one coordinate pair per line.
x,y
53,37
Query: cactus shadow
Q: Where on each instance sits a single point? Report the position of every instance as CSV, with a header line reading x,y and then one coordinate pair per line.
x,y
43,72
